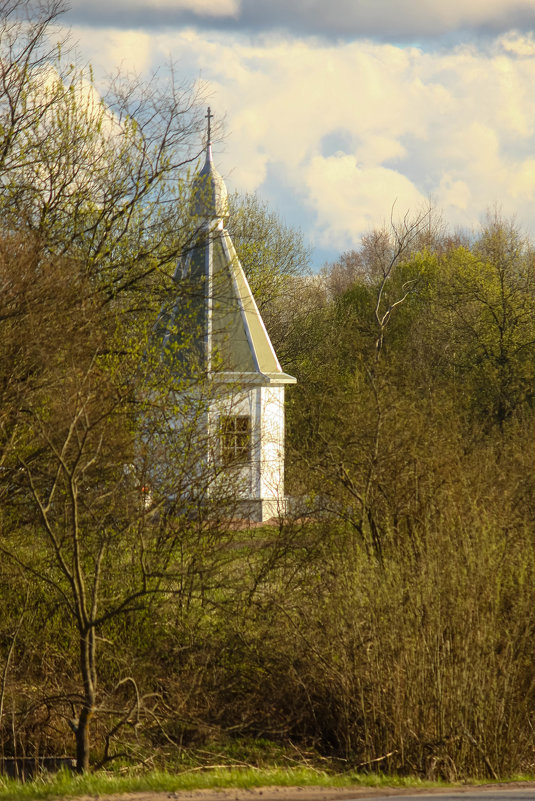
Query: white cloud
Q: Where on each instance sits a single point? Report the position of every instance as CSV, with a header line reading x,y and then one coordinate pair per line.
x,y
114,48
350,200
454,195
350,128
518,45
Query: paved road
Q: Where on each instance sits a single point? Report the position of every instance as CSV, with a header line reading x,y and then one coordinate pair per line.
x,y
466,794
502,792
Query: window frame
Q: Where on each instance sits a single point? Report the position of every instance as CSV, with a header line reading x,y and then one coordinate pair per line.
x,y
235,439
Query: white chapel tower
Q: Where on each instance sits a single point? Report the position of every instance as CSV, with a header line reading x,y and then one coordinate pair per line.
x,y
245,420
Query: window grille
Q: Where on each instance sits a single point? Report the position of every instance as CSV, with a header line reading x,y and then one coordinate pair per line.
x,y
235,438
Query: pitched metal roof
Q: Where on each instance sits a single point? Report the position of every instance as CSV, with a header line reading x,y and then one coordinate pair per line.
x,y
215,316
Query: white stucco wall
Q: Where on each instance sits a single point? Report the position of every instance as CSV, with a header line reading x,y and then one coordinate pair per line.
x,y
260,481
271,468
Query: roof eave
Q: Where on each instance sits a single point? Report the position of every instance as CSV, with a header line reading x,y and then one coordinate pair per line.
x,y
254,378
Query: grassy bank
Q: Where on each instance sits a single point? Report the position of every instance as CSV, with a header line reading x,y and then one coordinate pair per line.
x,y
64,784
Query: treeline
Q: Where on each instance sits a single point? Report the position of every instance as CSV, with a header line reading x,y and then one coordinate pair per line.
x,y
387,621
391,622
411,431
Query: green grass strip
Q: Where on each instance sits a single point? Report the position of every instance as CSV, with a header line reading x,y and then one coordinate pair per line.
x,y
65,785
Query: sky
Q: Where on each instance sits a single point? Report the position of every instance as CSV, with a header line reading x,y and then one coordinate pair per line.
x,y
337,111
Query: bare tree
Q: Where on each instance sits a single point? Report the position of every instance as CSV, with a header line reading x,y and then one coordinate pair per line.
x,y
90,433
354,421
386,249
27,49
96,174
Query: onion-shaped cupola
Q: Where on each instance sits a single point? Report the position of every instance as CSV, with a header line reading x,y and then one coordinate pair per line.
x,y
209,193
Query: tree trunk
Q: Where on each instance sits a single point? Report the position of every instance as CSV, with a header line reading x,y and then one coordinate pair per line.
x,y
82,740
87,666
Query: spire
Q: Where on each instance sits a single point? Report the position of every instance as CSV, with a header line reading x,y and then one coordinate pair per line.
x,y
231,338
210,197
209,116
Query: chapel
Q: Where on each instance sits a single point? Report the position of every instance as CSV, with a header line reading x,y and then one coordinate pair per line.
x,y
245,416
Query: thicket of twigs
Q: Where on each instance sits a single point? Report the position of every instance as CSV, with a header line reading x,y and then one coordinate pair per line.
x,y
388,620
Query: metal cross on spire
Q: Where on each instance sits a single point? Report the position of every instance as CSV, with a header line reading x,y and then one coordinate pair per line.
x,y
209,117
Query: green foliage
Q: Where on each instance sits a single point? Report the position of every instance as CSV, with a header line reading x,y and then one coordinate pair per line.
x,y
276,262
271,252
389,626
411,433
